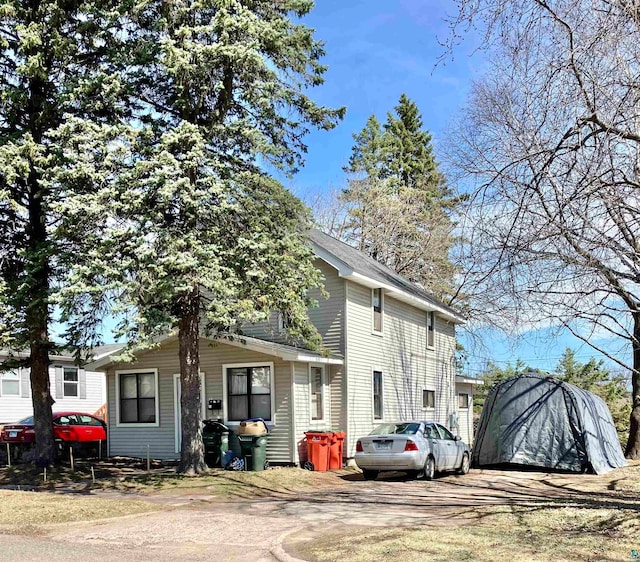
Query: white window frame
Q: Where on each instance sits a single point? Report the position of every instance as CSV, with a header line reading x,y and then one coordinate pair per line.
x,y
373,313
157,402
373,400
76,382
428,408
19,380
225,406
323,386
468,400
431,316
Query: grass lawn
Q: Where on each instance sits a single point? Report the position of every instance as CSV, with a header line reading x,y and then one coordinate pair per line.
x,y
24,512
276,482
499,534
130,475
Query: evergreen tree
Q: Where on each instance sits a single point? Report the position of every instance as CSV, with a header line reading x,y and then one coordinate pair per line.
x,y
57,64
189,231
593,376
399,205
491,376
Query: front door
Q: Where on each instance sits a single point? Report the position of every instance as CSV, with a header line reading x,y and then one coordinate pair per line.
x,y
177,394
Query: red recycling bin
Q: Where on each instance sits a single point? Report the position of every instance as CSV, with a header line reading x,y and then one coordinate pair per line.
x,y
335,450
318,445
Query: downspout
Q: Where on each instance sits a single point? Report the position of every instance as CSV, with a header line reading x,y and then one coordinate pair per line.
x,y
292,401
345,368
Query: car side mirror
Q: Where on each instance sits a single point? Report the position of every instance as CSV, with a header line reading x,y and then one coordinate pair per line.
x,y
457,438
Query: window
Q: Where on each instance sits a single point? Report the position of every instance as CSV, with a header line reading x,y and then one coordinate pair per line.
x,y
463,400
249,392
377,395
428,398
70,381
376,305
317,392
431,323
430,431
138,399
10,383
283,322
446,434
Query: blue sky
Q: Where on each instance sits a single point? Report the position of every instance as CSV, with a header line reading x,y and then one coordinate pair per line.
x,y
377,50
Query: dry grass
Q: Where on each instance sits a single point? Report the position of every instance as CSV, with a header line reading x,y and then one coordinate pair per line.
x,y
276,482
498,534
20,511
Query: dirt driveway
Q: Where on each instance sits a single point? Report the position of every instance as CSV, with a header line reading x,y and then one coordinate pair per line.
x,y
203,528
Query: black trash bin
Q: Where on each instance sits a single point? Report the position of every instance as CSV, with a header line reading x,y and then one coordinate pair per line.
x,y
215,437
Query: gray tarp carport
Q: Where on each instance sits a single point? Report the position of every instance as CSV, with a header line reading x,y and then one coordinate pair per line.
x,y
536,420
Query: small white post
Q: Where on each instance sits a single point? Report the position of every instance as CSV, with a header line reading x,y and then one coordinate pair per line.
x,y
93,475
44,477
148,460
71,458
100,450
8,455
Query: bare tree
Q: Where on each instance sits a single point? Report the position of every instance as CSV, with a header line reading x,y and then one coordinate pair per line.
x,y
551,136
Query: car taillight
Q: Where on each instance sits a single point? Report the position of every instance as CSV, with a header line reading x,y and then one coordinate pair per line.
x,y
410,446
29,430
359,448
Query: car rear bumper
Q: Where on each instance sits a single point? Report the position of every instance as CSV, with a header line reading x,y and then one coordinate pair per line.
x,y
409,460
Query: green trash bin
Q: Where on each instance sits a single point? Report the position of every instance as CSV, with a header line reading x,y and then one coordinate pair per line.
x,y
215,437
254,451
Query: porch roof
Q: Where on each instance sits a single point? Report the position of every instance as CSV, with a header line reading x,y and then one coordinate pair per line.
x,y
106,357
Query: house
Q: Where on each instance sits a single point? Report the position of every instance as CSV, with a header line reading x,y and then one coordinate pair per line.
x,y
389,356
72,388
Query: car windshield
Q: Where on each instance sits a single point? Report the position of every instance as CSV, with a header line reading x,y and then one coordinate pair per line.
x,y
26,421
396,428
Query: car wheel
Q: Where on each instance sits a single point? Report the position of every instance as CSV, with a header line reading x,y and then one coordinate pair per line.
x,y
370,474
429,469
464,465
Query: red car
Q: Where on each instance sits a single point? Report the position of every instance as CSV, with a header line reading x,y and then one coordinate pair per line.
x,y
68,427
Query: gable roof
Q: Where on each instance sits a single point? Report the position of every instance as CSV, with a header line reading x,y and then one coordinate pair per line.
x,y
358,267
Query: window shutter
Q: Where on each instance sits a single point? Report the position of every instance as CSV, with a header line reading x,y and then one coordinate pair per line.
x,y
58,371
82,383
25,382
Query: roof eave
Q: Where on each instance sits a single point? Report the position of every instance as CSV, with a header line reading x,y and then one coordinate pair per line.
x,y
468,380
251,344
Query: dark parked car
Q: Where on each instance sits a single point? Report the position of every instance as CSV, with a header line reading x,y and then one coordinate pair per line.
x,y
413,447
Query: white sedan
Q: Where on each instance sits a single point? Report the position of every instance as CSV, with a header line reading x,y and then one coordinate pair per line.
x,y
414,447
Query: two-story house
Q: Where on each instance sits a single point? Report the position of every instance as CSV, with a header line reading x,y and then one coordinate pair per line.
x,y
389,356
72,388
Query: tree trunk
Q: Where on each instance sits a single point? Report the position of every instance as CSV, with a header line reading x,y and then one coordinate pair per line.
x,y
633,444
192,450
37,320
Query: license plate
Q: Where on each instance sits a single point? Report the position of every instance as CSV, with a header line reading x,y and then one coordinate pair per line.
x,y
383,445
13,434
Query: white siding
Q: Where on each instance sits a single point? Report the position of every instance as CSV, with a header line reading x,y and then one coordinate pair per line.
x,y
406,363
133,441
465,417
14,408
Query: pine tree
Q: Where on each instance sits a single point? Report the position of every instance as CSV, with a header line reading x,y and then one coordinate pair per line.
x,y
191,233
56,61
594,377
399,206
